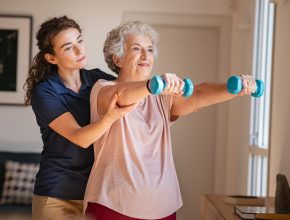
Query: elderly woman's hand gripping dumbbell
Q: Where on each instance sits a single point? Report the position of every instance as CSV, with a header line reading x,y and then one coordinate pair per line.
x,y
157,84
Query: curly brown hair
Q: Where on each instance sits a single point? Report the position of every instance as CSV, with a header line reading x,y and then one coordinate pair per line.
x,y
40,69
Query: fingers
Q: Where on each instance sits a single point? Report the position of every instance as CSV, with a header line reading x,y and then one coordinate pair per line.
x,y
116,111
113,102
120,111
174,84
248,83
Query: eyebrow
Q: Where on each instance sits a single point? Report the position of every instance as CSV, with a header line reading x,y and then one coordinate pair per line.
x,y
65,44
134,44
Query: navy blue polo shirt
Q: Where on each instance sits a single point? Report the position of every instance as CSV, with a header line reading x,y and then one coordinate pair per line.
x,y
64,167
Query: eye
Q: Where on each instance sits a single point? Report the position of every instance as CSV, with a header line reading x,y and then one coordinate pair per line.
x,y
67,48
136,48
80,40
150,50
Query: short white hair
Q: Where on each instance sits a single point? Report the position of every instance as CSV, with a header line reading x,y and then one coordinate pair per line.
x,y
116,38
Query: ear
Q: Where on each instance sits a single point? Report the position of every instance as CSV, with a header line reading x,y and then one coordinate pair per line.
x,y
50,58
117,61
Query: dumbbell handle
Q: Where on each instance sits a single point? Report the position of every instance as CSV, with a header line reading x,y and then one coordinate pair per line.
x,y
235,85
157,85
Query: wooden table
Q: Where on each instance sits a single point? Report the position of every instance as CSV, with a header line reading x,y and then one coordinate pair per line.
x,y
213,207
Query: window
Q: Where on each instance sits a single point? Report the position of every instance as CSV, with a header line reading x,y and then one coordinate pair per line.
x,y
260,107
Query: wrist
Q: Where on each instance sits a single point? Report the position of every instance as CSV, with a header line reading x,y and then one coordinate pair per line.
x,y
108,119
148,86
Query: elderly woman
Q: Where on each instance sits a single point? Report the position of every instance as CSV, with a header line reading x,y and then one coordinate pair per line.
x,y
133,176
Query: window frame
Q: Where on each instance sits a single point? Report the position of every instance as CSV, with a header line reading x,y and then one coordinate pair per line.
x,y
260,107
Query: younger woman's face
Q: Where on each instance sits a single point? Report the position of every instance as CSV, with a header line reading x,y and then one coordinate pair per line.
x,y
69,50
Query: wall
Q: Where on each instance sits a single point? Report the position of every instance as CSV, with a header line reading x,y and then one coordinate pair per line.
x,y
96,17
280,138
202,40
239,109
19,131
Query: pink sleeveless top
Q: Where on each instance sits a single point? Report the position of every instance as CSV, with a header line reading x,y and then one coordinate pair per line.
x,y
134,172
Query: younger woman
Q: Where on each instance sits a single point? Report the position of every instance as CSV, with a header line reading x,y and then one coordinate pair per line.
x,y
58,88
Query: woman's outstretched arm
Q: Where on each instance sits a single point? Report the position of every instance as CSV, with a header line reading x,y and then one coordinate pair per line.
x,y
206,94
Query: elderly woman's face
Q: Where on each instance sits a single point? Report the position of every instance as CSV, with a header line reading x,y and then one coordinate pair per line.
x,y
138,58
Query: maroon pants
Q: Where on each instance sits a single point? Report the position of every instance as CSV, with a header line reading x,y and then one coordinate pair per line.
x,y
98,212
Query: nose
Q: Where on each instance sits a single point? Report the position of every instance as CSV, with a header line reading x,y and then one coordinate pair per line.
x,y
78,49
144,54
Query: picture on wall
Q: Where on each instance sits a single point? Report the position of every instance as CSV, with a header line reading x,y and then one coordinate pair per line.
x,y
8,59
15,57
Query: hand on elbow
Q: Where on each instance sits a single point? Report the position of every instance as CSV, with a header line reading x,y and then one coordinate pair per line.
x,y
115,111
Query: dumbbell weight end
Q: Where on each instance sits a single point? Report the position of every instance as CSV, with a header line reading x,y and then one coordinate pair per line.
x,y
234,86
157,85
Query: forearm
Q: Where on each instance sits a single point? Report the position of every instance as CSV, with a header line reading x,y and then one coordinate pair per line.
x,y
131,92
205,94
85,136
212,93
67,126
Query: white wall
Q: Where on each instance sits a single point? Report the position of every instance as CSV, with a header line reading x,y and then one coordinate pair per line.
x,y
96,17
239,109
19,131
197,56
280,138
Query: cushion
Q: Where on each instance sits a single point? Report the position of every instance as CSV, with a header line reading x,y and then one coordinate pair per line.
x,y
25,157
18,182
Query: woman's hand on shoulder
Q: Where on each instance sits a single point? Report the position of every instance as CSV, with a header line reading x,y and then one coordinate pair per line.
x,y
115,111
173,84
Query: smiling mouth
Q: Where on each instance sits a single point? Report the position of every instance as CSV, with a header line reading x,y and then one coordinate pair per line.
x,y
144,64
82,58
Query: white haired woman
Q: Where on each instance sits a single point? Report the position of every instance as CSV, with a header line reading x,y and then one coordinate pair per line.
x,y
133,176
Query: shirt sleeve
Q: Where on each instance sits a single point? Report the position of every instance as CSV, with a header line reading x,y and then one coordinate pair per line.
x,y
99,74
166,103
46,105
95,115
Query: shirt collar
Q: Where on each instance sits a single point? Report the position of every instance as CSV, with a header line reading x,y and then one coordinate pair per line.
x,y
59,86
87,80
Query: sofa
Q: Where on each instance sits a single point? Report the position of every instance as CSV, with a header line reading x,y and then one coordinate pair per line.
x,y
17,175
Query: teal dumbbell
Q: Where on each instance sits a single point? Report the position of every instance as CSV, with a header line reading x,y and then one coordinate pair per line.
x,y
157,85
234,86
